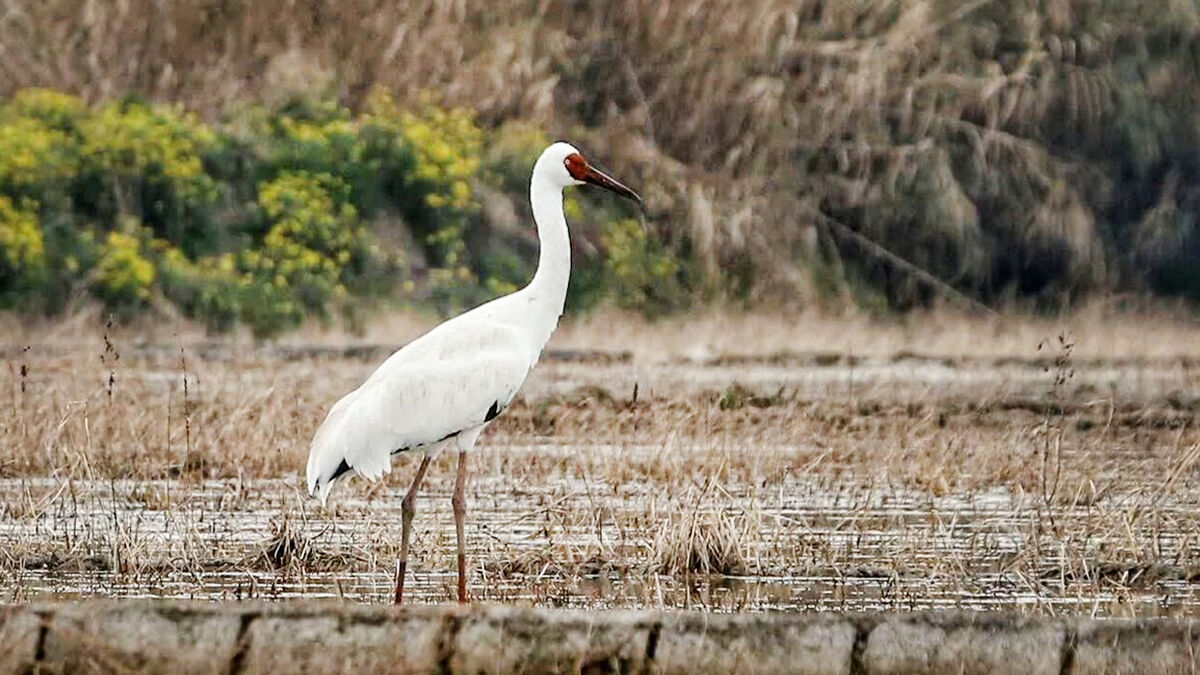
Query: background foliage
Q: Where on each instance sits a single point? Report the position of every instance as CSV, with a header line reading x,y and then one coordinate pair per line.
x,y
271,216
285,156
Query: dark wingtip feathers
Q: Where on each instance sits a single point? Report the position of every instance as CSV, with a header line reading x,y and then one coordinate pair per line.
x,y
342,468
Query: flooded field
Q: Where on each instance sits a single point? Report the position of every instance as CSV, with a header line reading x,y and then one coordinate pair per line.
x,y
790,480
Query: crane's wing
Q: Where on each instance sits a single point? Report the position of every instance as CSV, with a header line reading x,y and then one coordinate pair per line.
x,y
454,378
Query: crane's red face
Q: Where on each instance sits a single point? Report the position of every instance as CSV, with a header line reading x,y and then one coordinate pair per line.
x,y
583,172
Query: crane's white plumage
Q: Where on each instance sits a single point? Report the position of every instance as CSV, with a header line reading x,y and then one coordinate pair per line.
x,y
448,381
445,386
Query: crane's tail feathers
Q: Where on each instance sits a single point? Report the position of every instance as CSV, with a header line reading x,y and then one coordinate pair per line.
x,y
321,478
321,491
337,450
321,482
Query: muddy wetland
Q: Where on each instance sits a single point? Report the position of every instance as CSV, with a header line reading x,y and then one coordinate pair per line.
x,y
728,464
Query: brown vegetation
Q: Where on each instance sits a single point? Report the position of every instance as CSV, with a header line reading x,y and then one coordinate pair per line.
x,y
1036,148
903,474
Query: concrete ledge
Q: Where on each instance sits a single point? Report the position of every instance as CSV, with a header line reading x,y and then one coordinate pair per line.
x,y
20,634
762,643
327,637
512,640
965,643
1143,646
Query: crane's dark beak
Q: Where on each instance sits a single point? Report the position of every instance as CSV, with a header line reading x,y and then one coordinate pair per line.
x,y
601,179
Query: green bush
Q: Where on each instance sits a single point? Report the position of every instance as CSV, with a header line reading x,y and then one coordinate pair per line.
x,y
148,162
260,144
437,197
35,159
22,252
58,111
123,276
273,216
39,145
435,194
313,247
209,290
640,274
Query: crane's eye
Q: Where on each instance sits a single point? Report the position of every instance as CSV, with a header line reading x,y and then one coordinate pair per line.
x,y
576,166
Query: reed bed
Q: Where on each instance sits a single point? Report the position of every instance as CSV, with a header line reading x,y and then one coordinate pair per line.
x,y
1045,480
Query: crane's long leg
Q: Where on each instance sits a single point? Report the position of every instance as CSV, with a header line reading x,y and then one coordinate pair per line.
x,y
408,508
460,511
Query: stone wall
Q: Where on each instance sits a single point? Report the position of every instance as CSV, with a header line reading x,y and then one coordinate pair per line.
x,y
317,637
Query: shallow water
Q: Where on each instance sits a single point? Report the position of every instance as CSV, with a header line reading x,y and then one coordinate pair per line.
x,y
805,543
809,523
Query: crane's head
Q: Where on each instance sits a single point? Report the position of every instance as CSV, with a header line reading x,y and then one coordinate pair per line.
x,y
564,165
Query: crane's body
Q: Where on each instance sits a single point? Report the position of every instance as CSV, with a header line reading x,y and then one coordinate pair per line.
x,y
443,388
449,382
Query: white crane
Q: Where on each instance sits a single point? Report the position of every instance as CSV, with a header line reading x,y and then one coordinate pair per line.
x,y
443,388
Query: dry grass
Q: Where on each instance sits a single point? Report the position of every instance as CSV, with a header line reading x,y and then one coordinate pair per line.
x,y
749,124
249,412
1110,331
855,476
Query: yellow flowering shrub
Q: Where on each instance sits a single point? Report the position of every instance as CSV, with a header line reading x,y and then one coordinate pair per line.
x,y
365,151
311,245
135,139
511,153
641,275
445,147
327,141
22,252
123,275
312,210
35,157
54,109
148,161
268,218
317,143
209,289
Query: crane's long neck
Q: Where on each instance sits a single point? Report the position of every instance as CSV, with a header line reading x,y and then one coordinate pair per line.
x,y
548,290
